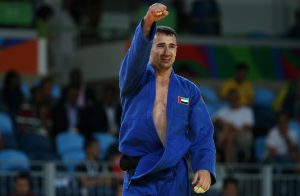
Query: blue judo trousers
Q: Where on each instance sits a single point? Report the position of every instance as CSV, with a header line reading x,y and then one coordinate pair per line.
x,y
162,169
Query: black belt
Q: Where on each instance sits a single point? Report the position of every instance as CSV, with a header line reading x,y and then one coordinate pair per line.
x,y
129,163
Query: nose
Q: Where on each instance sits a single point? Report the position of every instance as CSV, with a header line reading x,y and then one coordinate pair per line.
x,y
166,50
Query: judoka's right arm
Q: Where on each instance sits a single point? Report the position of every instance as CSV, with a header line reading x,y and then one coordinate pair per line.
x,y
135,62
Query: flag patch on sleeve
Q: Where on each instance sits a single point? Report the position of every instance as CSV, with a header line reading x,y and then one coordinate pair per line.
x,y
183,100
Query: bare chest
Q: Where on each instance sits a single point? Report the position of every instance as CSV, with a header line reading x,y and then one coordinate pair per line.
x,y
161,94
160,109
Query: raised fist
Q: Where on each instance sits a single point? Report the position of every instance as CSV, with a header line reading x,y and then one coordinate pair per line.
x,y
156,12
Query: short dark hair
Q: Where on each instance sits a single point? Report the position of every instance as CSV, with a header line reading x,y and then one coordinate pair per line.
x,y
166,30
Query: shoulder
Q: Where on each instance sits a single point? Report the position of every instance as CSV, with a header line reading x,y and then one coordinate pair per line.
x,y
246,109
187,84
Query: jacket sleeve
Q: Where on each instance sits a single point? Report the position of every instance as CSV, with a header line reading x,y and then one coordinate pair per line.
x,y
134,65
201,130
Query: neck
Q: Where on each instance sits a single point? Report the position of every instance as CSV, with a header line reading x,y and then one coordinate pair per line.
x,y
163,73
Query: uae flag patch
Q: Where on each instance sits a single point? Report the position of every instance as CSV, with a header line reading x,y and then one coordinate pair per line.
x,y
183,100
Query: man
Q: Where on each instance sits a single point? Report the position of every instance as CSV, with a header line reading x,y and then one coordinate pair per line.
x,y
164,117
22,185
239,82
235,122
282,141
66,114
86,95
92,182
112,108
230,187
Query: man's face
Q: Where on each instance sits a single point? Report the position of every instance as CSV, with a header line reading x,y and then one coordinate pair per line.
x,y
163,51
22,186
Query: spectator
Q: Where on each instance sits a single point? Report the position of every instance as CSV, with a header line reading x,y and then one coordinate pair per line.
x,y
46,86
22,186
62,45
34,116
294,31
86,96
282,142
92,182
66,114
112,108
44,121
93,117
12,95
239,82
230,187
235,122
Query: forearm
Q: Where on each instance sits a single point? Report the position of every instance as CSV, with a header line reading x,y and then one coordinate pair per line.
x,y
146,26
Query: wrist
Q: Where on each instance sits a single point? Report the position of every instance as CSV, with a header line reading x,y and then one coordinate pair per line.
x,y
147,22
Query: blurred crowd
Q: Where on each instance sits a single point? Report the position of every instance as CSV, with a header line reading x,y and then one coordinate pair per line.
x,y
45,121
47,108
245,115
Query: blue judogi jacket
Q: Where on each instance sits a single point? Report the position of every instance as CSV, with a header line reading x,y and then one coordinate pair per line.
x,y
189,127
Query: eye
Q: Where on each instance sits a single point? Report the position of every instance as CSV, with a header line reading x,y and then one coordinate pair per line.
x,y
172,46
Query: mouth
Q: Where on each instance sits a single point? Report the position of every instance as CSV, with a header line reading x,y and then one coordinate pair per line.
x,y
165,60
